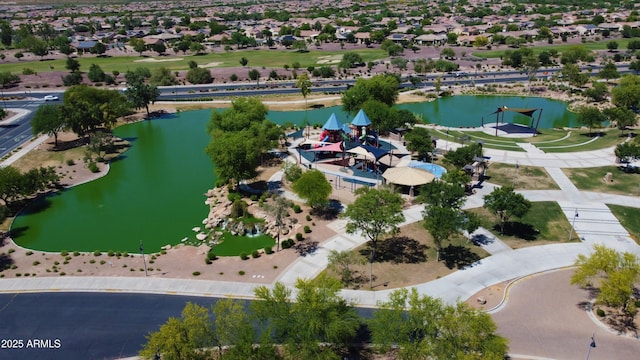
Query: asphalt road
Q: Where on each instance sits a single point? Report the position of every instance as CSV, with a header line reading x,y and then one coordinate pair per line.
x,y
15,134
86,325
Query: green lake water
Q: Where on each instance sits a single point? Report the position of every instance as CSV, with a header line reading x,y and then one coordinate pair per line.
x,y
455,111
155,193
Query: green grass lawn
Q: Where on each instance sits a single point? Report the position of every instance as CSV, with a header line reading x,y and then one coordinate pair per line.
x,y
525,177
600,45
592,179
234,245
544,224
628,217
257,58
549,140
582,140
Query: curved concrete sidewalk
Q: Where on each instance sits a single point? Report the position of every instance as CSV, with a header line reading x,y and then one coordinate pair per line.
x,y
595,225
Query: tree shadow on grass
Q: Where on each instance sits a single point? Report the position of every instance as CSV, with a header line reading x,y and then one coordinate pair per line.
x,y
593,134
400,249
459,257
519,230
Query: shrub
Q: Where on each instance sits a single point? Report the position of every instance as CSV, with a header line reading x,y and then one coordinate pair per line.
x,y
211,255
76,253
255,254
287,243
29,253
600,312
299,236
102,262
207,261
268,250
11,251
244,256
93,167
297,209
254,197
28,71
196,273
308,217
111,253
241,272
36,263
97,253
307,229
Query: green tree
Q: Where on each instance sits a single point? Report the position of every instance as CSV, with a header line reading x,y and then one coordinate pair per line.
x,y
139,93
350,59
616,274
159,47
596,92
181,338
622,117
574,75
196,47
240,135
278,208
505,203
609,71
7,78
425,328
72,64
162,76
6,33
199,75
419,140
315,324
15,186
98,49
463,155
590,116
612,45
447,53
86,108
627,93
138,45
481,41
304,84
341,262
627,152
374,213
244,61
95,73
255,76
313,187
383,88
48,120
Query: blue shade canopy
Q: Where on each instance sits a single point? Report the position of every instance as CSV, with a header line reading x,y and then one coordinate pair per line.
x,y
333,123
361,119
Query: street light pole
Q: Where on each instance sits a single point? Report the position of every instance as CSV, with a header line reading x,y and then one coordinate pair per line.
x,y
573,225
143,259
592,345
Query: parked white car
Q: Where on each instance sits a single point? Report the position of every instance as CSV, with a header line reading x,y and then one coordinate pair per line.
x,y
51,98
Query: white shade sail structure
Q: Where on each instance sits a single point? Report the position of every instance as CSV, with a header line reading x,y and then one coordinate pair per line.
x,y
408,176
359,150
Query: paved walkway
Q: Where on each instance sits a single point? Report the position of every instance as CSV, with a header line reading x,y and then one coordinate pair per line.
x,y
594,224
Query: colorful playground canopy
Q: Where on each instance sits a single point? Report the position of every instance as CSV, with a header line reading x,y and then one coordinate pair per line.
x,y
333,124
369,151
361,119
408,176
331,147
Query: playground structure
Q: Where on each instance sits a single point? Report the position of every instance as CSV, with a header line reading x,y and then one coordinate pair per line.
x,y
360,155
